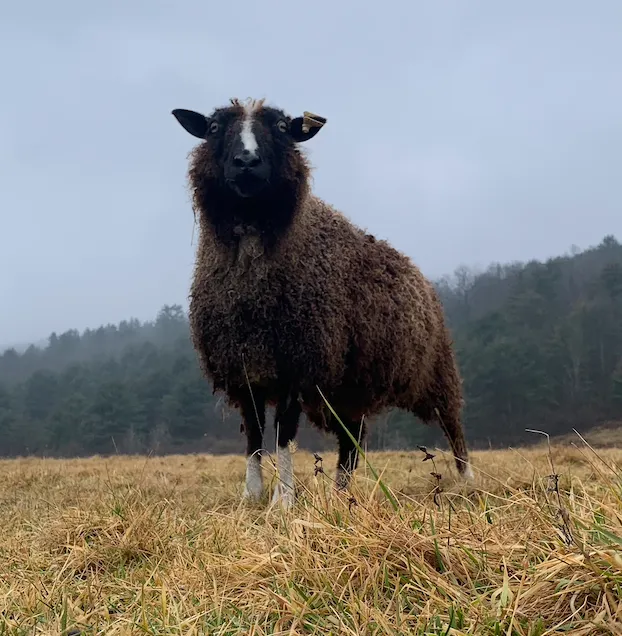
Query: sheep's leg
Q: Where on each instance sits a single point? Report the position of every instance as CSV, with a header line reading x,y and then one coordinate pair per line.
x,y
443,404
447,414
286,424
253,408
452,427
348,453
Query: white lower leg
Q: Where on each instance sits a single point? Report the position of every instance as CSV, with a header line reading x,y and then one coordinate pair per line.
x,y
254,480
284,489
468,473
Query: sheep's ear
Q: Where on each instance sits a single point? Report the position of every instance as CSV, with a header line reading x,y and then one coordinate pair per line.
x,y
306,127
194,123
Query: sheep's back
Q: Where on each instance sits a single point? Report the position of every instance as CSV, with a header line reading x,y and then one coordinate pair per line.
x,y
398,328
394,322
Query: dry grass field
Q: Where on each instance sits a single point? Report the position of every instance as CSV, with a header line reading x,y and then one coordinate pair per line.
x,y
130,545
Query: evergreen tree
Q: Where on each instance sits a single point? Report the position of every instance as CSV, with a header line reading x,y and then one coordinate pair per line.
x,y
539,346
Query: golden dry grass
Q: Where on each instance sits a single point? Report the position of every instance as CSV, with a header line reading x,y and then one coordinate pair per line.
x,y
131,545
607,436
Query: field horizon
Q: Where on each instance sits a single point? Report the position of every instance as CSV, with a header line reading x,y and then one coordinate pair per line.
x,y
163,545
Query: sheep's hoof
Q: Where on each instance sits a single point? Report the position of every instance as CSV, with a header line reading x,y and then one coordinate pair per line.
x,y
342,480
467,474
251,496
283,496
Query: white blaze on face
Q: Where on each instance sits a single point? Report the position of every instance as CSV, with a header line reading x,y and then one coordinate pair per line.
x,y
249,140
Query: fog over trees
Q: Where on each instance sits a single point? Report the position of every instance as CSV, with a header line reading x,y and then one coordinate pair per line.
x,y
539,346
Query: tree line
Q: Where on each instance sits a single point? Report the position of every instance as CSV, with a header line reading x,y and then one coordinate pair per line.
x,y
539,346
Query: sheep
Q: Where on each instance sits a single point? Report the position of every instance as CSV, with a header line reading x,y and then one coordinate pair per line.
x,y
289,296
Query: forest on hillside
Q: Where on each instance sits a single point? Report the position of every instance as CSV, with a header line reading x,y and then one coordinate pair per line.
x,y
539,346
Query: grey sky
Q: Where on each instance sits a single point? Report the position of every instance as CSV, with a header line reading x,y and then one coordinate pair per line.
x,y
464,132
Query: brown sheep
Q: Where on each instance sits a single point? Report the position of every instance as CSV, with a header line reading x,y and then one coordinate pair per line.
x,y
288,296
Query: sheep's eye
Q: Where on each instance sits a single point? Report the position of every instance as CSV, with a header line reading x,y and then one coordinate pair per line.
x,y
282,126
214,127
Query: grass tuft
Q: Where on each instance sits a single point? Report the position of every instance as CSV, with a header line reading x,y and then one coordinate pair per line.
x,y
130,545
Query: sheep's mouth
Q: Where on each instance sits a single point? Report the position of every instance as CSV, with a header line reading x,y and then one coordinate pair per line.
x,y
248,184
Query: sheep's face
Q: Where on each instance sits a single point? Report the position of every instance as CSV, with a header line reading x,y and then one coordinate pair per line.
x,y
249,149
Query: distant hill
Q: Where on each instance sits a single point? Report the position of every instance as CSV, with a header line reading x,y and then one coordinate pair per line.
x,y
539,346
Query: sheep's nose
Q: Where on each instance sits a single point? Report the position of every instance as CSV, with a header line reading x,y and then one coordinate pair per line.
x,y
246,159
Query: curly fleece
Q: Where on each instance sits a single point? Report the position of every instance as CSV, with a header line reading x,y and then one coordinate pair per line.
x,y
293,296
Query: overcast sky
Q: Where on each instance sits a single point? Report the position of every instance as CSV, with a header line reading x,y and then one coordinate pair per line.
x,y
464,132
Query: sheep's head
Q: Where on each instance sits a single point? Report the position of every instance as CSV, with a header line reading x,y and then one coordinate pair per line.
x,y
249,150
